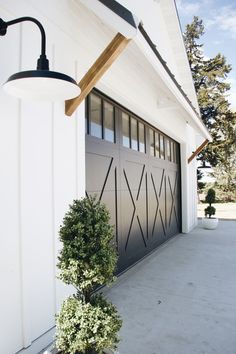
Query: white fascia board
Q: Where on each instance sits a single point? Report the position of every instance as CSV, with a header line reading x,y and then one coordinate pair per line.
x,y
112,19
158,66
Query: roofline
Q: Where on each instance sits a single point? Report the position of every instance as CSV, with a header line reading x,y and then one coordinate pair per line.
x,y
128,16
114,15
121,11
164,64
172,76
131,26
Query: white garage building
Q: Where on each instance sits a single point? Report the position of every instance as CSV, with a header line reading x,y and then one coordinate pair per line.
x,y
130,139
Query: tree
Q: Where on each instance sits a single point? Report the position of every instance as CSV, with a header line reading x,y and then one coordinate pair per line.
x,y
209,76
225,175
210,198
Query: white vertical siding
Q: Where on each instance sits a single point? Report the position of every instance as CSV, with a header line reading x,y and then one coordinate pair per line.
x,y
42,171
36,217
192,167
189,182
10,237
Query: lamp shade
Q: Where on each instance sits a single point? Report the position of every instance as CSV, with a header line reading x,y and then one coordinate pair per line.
x,y
42,85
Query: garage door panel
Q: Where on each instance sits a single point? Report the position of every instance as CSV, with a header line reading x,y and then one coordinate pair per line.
x,y
109,198
101,177
99,169
134,238
157,179
133,174
133,201
158,235
134,245
142,211
157,217
173,202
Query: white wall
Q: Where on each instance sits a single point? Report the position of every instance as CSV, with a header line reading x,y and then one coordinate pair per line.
x,y
42,154
10,258
42,170
189,182
192,180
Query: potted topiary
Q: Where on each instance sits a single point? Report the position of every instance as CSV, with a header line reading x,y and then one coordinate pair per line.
x,y
87,323
210,222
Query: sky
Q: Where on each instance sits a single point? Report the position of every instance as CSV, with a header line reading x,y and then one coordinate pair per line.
x,y
219,19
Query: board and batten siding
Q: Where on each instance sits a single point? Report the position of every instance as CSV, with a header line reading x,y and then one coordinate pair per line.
x,y
42,171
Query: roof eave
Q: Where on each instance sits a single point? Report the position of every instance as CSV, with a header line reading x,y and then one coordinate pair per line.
x,y
148,48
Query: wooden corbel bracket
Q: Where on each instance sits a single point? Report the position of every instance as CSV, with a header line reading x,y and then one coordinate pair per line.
x,y
97,70
198,150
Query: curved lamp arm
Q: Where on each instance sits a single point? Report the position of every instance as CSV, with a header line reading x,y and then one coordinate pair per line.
x,y
42,63
50,85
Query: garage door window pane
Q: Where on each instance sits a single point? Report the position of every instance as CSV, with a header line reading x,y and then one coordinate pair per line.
x,y
86,125
134,134
172,151
151,139
141,137
125,130
168,153
162,147
109,126
157,145
96,116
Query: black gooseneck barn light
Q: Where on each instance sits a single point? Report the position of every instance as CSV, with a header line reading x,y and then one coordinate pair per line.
x,y
39,84
204,165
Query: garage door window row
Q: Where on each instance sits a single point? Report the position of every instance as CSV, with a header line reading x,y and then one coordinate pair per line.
x,y
162,146
101,123
133,133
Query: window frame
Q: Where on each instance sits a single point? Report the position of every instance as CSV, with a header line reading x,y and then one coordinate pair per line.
x,y
118,130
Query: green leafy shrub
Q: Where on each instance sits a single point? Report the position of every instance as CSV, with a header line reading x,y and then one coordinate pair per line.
x,y
87,326
209,211
87,322
210,198
88,257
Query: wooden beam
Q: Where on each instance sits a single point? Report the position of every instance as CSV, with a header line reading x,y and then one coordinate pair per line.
x,y
101,65
198,150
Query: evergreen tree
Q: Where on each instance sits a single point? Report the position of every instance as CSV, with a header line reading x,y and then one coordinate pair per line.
x,y
209,76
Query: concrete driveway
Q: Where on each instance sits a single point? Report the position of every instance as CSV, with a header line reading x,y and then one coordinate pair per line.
x,y
182,298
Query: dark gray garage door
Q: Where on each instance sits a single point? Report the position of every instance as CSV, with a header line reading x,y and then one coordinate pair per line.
x,y
134,169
